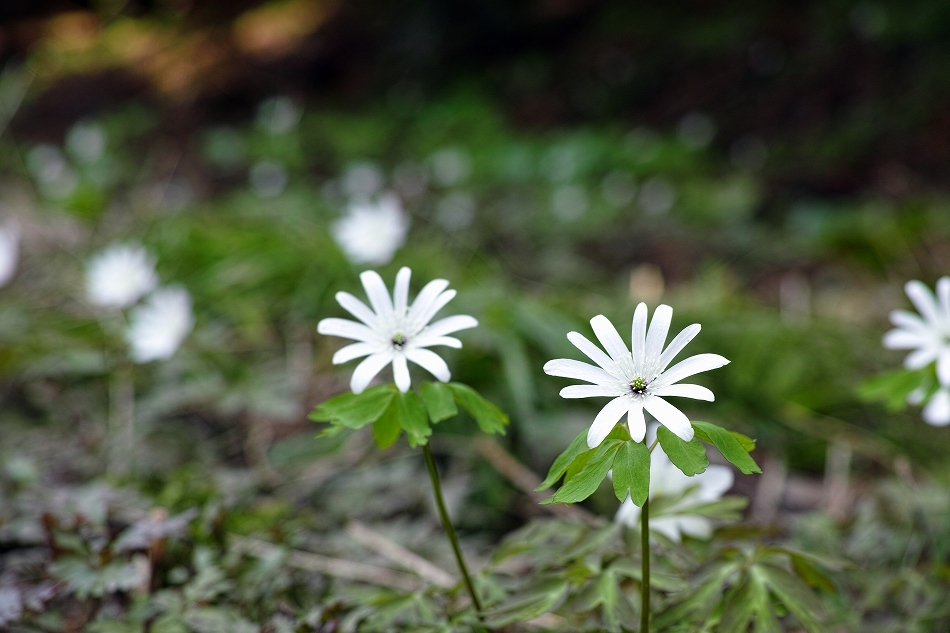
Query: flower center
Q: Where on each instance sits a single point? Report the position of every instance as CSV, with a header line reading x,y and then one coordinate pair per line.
x,y
399,340
638,386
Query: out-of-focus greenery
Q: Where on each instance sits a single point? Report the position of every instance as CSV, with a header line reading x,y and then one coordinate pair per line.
x,y
539,228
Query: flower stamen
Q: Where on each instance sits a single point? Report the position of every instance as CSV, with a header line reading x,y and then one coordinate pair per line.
x,y
638,386
399,340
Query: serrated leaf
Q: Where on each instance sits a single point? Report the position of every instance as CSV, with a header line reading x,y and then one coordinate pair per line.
x,y
532,603
412,417
585,482
765,620
738,607
559,467
439,401
355,410
689,457
811,574
490,418
631,472
386,428
797,597
728,445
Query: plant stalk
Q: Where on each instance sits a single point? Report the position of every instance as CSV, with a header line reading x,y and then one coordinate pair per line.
x,y
448,527
645,569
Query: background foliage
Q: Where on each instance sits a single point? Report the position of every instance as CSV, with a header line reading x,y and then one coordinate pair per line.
x,y
774,172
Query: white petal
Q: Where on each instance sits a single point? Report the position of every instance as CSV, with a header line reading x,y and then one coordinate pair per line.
x,y
401,373
401,291
902,339
367,370
638,336
908,321
937,411
676,346
590,350
667,526
605,420
696,392
628,514
695,526
448,325
669,416
425,298
357,308
346,329
425,316
656,336
427,341
567,368
923,300
714,482
690,366
431,362
921,358
377,294
943,296
636,423
943,367
356,350
588,391
607,335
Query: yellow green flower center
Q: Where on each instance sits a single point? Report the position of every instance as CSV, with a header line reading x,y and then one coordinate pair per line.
x,y
638,385
399,339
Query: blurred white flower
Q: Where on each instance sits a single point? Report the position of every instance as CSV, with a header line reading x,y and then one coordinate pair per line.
x,y
9,251
158,326
929,336
372,232
937,411
394,331
636,380
666,480
118,276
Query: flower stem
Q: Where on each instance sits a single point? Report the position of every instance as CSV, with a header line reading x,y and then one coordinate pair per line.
x,y
645,570
448,527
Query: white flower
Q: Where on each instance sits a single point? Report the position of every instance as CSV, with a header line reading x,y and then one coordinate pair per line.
x,y
636,381
394,331
666,480
118,276
158,326
929,336
372,232
9,251
937,411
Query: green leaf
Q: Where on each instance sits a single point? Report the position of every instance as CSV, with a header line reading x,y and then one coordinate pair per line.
x,y
765,620
631,472
559,467
386,428
797,597
585,482
892,388
529,604
811,574
738,608
745,441
355,410
728,445
490,418
413,419
689,457
438,400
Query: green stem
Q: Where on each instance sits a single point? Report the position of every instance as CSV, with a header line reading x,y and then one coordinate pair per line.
x,y
645,570
448,527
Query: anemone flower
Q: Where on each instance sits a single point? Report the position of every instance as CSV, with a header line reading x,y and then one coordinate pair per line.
x,y
393,331
636,378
